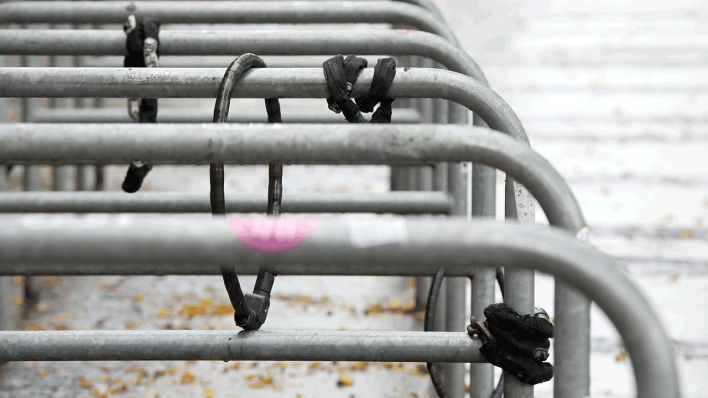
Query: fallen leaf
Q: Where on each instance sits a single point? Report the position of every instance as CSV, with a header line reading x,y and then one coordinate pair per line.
x,y
172,370
687,233
622,355
208,393
262,381
344,381
159,373
359,365
17,302
33,328
420,370
43,373
188,377
128,325
61,327
224,309
163,313
85,383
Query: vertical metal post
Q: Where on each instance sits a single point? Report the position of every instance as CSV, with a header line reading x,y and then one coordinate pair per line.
x,y
483,205
572,342
4,186
61,175
518,283
83,172
31,176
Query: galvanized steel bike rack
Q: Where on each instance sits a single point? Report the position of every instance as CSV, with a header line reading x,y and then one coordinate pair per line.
x,y
481,204
202,82
37,240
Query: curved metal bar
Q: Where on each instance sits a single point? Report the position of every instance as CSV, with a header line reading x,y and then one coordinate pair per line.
x,y
304,143
421,245
226,12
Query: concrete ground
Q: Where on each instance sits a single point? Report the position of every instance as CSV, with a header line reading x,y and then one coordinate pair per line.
x,y
612,93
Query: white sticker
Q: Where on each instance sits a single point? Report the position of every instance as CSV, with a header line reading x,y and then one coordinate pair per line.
x,y
370,233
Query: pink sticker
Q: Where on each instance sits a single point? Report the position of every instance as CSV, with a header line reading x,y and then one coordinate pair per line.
x,y
271,234
402,31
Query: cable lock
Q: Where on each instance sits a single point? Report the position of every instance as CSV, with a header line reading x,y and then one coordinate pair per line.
x,y
142,45
251,310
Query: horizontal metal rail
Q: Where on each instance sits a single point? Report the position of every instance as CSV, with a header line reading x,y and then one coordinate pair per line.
x,y
171,115
299,143
397,202
231,42
255,83
414,246
226,12
232,345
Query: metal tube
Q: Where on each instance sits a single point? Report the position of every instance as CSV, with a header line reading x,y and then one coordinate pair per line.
x,y
5,299
116,115
226,12
297,143
229,42
415,246
232,345
257,83
183,202
483,206
31,174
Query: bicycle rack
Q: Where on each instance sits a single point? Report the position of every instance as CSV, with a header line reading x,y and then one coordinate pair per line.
x,y
572,352
35,240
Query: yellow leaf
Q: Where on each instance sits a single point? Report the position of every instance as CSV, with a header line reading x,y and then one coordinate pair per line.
x,y
188,377
687,233
17,302
281,364
43,373
33,328
103,369
19,280
163,313
172,371
622,355
128,325
85,383
344,380
359,365
375,309
314,365
302,299
138,297
262,381
208,393
61,327
224,309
